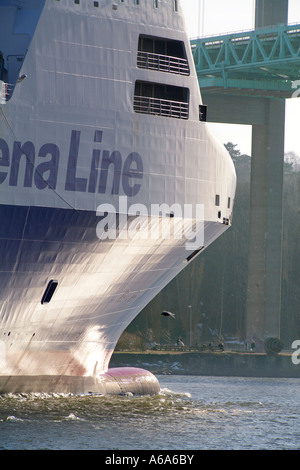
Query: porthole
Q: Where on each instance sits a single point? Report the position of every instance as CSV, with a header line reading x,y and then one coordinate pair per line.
x,y
48,294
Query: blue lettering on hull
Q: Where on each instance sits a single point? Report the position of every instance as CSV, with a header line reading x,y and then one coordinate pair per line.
x,y
126,175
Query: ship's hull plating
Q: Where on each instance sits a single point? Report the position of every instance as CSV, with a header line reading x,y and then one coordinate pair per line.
x,y
103,284
70,141
116,381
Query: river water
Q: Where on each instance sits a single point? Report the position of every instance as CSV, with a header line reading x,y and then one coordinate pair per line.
x,y
190,413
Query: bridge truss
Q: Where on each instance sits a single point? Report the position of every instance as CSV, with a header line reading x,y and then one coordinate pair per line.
x,y
264,62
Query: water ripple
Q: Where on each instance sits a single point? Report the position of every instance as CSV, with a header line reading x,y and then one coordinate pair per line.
x,y
188,413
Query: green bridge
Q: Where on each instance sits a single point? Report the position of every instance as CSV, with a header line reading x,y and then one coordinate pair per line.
x,y
264,62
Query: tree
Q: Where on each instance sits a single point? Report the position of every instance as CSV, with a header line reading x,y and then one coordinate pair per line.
x,y
234,153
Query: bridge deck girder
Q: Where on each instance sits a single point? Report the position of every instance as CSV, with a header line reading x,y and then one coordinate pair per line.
x,y
265,60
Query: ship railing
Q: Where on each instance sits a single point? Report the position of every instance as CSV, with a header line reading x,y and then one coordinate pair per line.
x,y
161,107
6,90
162,63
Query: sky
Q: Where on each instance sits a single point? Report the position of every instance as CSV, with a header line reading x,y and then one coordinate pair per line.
x,y
210,17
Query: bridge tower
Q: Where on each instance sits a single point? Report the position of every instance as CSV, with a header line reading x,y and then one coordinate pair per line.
x,y
245,79
266,206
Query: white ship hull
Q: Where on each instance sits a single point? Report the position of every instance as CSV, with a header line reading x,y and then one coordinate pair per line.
x,y
78,154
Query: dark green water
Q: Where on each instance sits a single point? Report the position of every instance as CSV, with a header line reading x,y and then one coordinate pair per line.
x,y
189,413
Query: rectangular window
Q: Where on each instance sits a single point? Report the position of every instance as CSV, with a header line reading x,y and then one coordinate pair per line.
x,y
175,5
217,202
162,54
48,294
202,112
161,100
155,3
